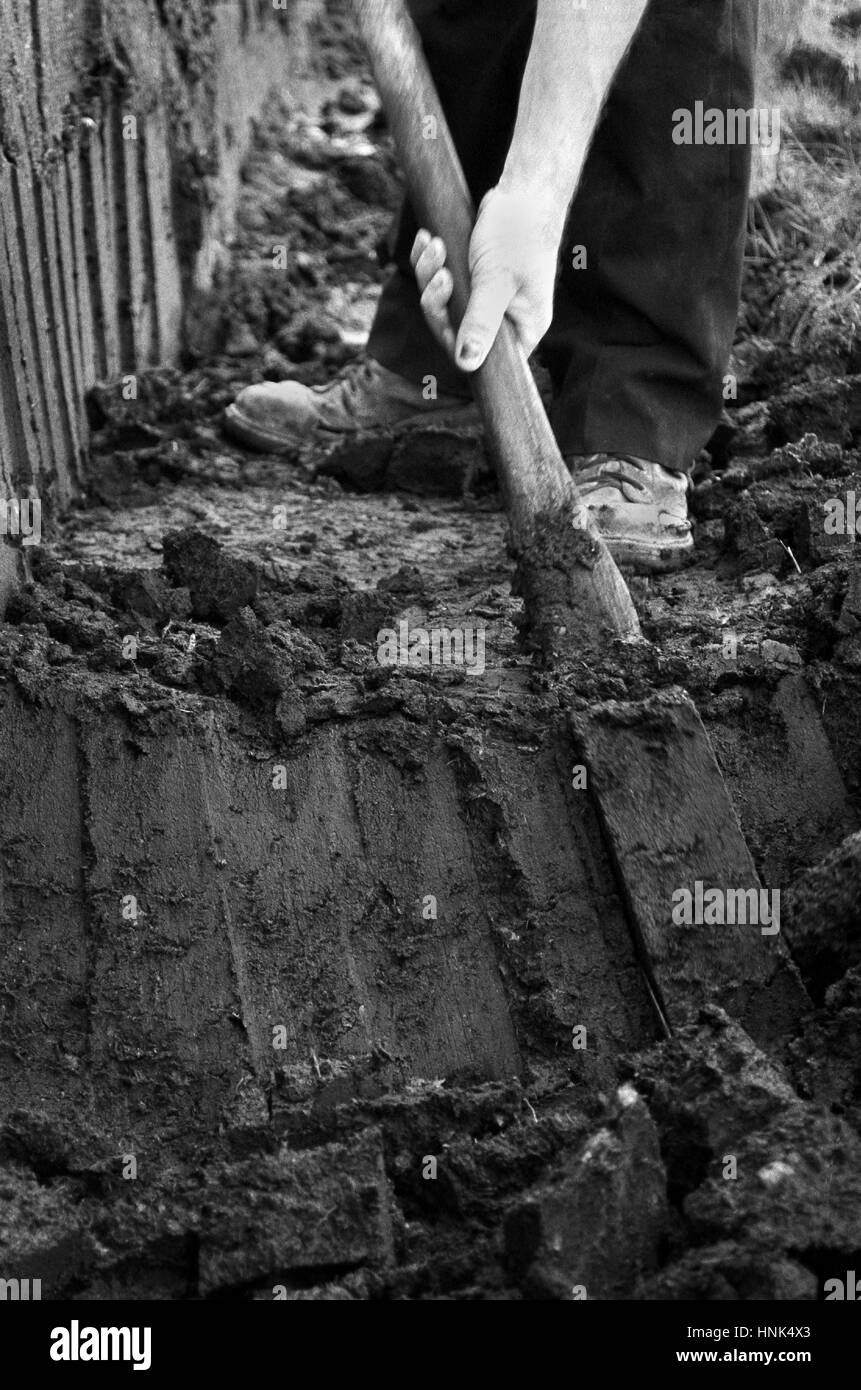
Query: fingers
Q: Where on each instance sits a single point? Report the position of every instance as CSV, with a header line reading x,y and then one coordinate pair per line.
x,y
489,301
427,256
496,290
435,286
420,244
435,301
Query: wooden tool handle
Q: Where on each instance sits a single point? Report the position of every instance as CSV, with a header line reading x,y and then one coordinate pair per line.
x,y
540,495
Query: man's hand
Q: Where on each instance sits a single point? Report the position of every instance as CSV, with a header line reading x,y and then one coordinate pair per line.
x,y
512,261
575,52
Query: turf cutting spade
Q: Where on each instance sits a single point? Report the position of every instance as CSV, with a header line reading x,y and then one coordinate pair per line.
x,y
665,811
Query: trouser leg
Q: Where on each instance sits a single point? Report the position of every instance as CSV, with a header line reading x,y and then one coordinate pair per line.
x,y
640,336
640,339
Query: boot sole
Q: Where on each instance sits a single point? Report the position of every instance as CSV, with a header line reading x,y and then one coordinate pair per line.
x,y
255,436
244,431
650,557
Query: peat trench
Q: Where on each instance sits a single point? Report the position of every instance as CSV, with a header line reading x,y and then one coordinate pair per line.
x,y
316,982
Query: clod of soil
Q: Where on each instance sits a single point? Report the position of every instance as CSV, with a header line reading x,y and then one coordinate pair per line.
x,y
823,917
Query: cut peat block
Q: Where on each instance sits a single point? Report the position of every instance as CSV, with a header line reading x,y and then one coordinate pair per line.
x,y
670,826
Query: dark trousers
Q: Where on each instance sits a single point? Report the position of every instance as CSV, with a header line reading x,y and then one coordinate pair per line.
x,y
640,338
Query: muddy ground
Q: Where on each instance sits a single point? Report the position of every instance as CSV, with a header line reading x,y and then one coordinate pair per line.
x,y
298,951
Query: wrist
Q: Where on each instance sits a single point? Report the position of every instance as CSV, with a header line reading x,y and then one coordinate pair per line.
x,y
546,200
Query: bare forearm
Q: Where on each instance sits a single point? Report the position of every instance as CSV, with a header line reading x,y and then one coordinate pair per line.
x,y
513,255
576,50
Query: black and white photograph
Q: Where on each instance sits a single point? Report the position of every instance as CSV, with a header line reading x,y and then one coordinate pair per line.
x,y
430,672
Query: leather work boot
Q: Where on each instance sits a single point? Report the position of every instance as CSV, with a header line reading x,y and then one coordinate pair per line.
x,y
641,509
279,415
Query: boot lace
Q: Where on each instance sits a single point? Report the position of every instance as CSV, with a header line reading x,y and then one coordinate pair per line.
x,y
353,379
597,473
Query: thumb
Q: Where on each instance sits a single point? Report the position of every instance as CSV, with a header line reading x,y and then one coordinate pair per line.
x,y
490,296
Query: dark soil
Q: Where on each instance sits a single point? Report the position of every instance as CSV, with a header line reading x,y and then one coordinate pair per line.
x,y
316,979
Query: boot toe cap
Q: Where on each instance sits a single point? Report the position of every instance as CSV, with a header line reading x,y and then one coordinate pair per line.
x,y
273,413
